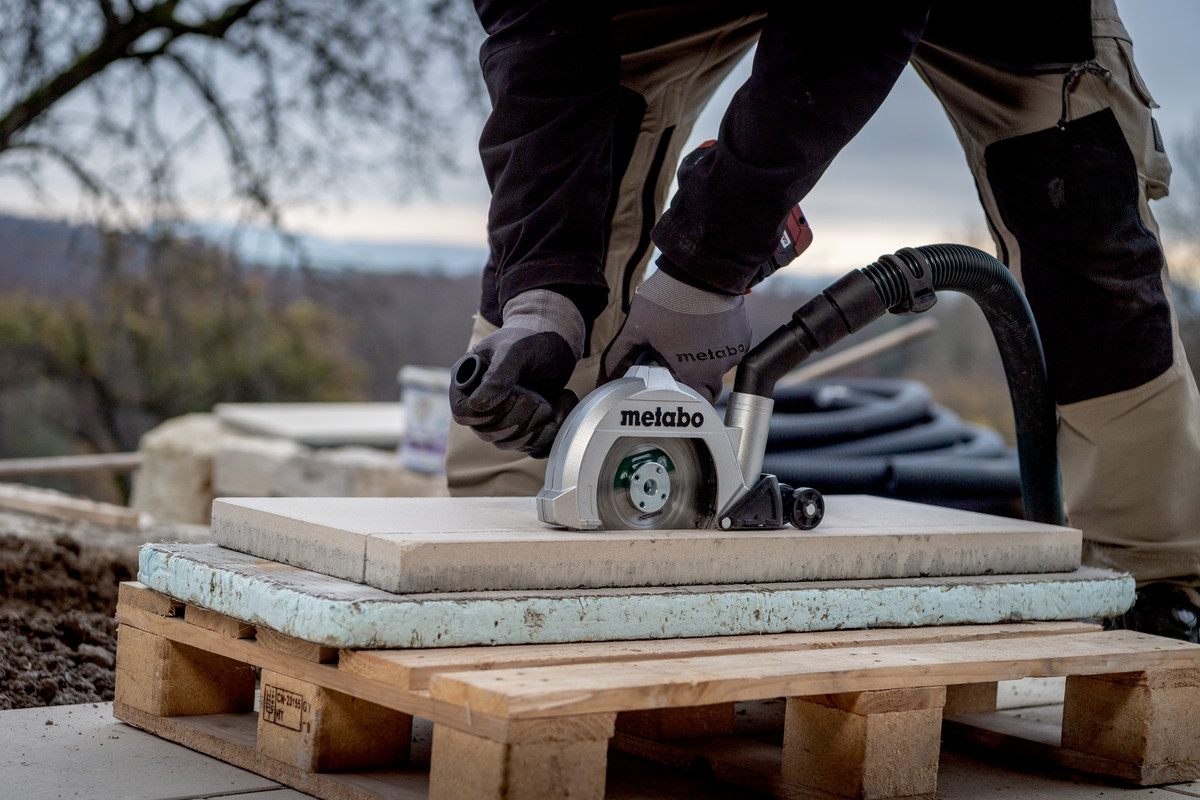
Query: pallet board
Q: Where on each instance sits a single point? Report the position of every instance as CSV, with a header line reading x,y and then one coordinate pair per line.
x,y
863,715
338,613
413,545
595,688
412,669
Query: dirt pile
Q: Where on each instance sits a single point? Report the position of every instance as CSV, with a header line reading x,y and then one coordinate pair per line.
x,y
58,637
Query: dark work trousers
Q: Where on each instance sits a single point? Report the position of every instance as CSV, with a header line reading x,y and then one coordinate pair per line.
x,y
671,60
1065,172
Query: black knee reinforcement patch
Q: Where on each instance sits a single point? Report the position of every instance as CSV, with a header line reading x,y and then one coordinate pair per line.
x,y
1092,270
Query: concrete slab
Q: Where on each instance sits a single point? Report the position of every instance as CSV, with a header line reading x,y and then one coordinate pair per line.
x,y
319,424
485,544
961,776
1030,692
338,613
82,751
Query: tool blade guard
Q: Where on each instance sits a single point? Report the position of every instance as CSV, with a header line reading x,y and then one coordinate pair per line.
x,y
643,451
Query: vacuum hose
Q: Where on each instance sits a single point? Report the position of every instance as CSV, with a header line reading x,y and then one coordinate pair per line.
x,y
906,282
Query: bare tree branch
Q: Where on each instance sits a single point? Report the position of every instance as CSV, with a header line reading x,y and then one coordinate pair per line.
x,y
296,95
86,178
111,20
250,185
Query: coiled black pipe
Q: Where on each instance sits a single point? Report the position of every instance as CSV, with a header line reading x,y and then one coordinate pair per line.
x,y
885,407
927,453
905,282
962,481
941,430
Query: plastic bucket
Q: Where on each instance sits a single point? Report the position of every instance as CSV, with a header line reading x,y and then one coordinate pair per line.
x,y
424,394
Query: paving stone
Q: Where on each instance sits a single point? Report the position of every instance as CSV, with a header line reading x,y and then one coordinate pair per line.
x,y
82,751
245,466
319,424
484,544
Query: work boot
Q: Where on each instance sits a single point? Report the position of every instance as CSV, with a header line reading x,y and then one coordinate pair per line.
x,y
1162,609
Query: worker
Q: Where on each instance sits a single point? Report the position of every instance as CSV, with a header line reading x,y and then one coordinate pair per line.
x,y
591,104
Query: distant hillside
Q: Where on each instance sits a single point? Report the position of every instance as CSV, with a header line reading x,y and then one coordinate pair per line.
x,y
418,310
410,304
40,254
273,249
412,314
46,257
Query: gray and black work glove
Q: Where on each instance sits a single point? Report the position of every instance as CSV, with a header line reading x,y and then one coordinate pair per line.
x,y
699,335
520,400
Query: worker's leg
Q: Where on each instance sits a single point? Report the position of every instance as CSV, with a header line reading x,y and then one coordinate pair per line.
x,y
672,61
1068,208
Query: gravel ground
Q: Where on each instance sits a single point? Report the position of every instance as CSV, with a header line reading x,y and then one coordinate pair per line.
x,y
58,595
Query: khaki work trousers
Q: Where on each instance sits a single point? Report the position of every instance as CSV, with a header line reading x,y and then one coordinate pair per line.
x,y
676,78
1130,460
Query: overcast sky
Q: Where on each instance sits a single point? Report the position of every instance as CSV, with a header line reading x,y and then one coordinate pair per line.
x,y
903,181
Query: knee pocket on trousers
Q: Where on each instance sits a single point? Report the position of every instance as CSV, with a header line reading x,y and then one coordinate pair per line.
x,y
1092,269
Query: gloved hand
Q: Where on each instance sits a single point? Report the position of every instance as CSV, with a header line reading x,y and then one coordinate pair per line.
x,y
520,402
699,335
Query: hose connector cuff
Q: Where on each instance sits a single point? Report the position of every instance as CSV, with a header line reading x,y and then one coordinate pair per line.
x,y
917,273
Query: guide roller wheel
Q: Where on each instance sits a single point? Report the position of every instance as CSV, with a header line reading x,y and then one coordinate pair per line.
x,y
808,508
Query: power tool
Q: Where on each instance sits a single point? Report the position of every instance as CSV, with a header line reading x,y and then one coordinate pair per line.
x,y
647,452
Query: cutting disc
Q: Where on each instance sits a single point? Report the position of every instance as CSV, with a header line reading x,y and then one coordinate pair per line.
x,y
655,484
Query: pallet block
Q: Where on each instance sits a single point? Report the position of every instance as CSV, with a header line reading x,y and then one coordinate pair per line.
x,y
875,744
535,759
1149,720
971,698
309,651
320,730
678,723
170,679
863,718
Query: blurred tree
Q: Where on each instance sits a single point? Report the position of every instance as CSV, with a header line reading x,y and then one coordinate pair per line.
x,y
1181,213
185,331
1180,217
290,95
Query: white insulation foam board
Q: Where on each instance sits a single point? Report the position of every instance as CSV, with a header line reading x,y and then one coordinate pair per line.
x,y
338,613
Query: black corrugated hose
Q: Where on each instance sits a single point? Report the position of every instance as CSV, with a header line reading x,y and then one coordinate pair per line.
x,y
906,282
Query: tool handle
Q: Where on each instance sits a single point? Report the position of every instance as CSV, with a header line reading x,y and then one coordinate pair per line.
x,y
468,372
648,357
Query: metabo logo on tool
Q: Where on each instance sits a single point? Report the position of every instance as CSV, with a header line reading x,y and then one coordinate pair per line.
x,y
631,417
711,355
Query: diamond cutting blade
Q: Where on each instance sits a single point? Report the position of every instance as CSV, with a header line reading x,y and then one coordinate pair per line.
x,y
648,483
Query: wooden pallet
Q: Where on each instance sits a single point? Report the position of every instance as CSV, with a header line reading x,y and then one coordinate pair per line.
x,y
863,715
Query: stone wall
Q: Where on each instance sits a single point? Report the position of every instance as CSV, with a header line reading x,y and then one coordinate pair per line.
x,y
191,460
